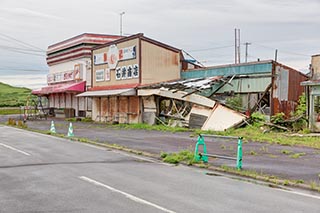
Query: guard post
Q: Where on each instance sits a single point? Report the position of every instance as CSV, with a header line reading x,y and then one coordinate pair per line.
x,y
239,154
204,155
197,155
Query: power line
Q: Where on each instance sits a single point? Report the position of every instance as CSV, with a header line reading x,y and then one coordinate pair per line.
x,y
24,70
20,42
24,52
21,49
211,48
287,52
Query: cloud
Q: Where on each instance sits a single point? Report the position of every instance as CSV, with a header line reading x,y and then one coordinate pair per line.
x,y
28,12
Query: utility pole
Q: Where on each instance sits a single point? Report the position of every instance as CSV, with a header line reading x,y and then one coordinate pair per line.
x,y
121,14
247,44
237,45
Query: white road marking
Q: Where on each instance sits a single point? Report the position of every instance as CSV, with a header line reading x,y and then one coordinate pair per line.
x,y
12,148
131,197
301,194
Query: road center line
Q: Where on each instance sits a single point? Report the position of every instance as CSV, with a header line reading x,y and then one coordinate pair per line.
x,y
131,197
12,148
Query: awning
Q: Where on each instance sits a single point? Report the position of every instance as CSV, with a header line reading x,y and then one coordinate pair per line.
x,y
112,92
61,88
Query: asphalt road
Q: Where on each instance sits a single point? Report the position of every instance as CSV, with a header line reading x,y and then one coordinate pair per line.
x,y
40,173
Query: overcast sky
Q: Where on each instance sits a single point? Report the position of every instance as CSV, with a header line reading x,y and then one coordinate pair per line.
x,y
203,28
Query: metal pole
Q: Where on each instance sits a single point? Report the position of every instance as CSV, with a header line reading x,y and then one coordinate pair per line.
x,y
239,57
235,46
121,14
247,44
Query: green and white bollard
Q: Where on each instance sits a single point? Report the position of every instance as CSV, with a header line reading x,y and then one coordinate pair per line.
x,y
239,154
197,155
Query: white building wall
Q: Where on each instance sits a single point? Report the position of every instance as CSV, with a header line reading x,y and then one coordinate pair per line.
x,y
69,66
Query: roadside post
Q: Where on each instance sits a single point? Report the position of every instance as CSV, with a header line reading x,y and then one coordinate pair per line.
x,y
204,155
70,130
52,128
198,156
239,154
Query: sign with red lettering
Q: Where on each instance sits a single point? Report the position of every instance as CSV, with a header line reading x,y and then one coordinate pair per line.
x,y
113,56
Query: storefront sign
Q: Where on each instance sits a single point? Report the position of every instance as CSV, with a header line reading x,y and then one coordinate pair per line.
x,y
114,55
65,76
107,75
127,72
68,76
100,58
76,71
50,78
127,53
100,75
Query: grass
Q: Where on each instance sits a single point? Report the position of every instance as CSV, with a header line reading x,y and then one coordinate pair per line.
x,y
297,155
9,111
254,134
152,127
185,156
269,178
13,96
314,186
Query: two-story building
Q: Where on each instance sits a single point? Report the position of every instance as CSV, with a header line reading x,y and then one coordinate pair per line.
x,y
69,64
119,67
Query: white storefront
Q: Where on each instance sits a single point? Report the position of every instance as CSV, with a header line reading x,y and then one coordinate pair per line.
x,y
70,74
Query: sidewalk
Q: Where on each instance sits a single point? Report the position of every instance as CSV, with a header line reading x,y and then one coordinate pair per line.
x,y
261,157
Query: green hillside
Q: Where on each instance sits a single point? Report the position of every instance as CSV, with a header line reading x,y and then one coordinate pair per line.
x,y
13,96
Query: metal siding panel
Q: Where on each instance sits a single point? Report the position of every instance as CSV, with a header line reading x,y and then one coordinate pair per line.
x,y
159,64
286,89
229,70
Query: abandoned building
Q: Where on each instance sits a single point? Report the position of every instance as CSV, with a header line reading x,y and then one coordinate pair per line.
x,y
69,64
265,86
221,97
119,67
312,88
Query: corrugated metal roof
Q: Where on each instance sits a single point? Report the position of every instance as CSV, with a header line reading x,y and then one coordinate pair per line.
x,y
263,67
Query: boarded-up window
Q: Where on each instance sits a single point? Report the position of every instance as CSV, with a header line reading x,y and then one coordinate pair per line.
x,y
196,121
